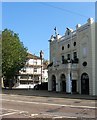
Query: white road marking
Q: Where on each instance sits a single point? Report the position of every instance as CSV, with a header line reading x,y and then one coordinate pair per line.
x,y
45,96
64,117
32,115
50,104
13,110
57,116
11,113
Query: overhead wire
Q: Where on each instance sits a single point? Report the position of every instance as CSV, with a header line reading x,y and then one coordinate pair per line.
x,y
63,9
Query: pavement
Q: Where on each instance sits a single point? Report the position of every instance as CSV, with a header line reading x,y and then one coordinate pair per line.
x,y
45,93
44,119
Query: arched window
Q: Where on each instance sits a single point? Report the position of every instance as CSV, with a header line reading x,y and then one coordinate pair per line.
x,y
62,47
74,43
68,46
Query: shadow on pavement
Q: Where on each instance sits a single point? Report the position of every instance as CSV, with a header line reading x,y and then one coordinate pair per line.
x,y
47,119
45,93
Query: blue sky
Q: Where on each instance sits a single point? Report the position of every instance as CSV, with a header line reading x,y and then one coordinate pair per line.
x,y
35,21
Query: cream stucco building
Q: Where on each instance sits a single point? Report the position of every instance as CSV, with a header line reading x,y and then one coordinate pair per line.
x,y
72,60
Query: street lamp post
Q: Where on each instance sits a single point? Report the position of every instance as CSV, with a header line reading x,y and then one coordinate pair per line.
x,y
41,56
33,70
27,75
69,76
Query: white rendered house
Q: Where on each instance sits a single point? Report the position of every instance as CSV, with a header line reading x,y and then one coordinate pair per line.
x,y
33,72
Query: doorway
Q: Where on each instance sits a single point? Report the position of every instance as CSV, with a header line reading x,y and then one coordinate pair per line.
x,y
74,86
53,83
63,83
84,83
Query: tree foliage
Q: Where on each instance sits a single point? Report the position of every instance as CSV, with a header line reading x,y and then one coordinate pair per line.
x,y
13,54
0,55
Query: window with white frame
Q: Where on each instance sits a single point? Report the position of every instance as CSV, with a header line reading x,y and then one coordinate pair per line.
x,y
74,55
62,59
35,69
68,56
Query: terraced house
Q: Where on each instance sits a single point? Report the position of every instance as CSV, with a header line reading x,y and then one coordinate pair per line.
x,y
72,60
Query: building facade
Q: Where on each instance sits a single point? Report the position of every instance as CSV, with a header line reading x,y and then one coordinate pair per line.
x,y
33,72
72,60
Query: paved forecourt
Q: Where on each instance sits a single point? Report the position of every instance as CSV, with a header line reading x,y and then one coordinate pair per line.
x,y
43,106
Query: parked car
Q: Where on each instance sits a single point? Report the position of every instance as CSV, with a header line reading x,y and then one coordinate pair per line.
x,y
8,83
42,86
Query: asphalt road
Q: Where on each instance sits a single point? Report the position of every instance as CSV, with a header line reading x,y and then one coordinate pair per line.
x,y
33,106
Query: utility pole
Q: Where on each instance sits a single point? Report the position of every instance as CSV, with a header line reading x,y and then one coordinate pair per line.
x,y
27,75
33,71
41,56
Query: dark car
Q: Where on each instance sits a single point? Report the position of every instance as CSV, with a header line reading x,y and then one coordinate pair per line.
x,y
8,83
42,86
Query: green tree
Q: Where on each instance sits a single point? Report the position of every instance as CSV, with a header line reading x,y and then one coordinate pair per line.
x,y
13,55
0,58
